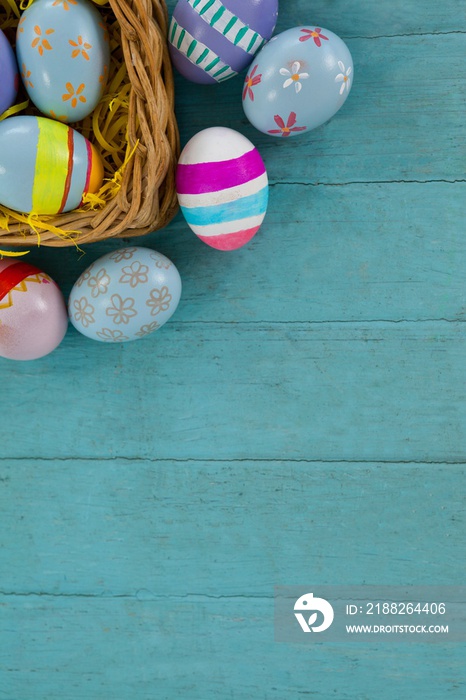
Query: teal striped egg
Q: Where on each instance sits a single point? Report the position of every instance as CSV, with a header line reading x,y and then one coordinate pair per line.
x,y
213,40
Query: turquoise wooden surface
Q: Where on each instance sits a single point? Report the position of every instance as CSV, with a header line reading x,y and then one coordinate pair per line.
x,y
300,420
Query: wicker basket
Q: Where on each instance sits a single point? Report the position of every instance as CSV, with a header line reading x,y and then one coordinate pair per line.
x,y
147,199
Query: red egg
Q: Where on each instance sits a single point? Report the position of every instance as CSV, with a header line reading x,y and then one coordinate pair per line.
x,y
33,315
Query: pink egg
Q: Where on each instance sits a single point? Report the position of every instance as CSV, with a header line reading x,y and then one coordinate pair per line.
x,y
222,187
33,315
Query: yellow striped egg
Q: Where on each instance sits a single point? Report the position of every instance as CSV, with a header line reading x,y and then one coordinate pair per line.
x,y
45,167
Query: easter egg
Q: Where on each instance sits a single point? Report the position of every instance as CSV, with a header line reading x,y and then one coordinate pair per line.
x,y
63,54
298,81
213,40
9,74
222,187
125,295
33,316
45,167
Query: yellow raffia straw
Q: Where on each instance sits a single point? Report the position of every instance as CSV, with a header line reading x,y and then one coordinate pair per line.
x,y
14,110
12,6
11,254
36,223
4,222
11,14
110,186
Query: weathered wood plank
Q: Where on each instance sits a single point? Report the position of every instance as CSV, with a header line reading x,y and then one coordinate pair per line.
x,y
143,578
154,530
402,121
306,391
155,580
353,253
366,18
85,648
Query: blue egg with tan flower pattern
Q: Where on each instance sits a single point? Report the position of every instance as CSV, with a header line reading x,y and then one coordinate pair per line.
x,y
125,295
63,55
298,81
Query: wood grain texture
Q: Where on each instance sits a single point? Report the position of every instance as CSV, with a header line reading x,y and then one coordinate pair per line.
x,y
364,252
83,648
263,391
402,126
300,420
155,580
148,529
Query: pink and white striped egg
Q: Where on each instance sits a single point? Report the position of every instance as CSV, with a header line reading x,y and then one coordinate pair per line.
x,y
222,187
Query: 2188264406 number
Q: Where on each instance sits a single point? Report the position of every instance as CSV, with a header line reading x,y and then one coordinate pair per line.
x,y
402,608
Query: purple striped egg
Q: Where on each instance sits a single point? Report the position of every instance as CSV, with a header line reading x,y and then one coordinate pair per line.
x,y
213,40
222,187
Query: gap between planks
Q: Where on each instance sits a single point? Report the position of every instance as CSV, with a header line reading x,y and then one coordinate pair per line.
x,y
396,36
280,183
142,594
238,460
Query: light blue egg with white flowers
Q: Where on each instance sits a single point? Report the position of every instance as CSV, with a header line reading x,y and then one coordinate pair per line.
x,y
125,295
298,81
62,47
